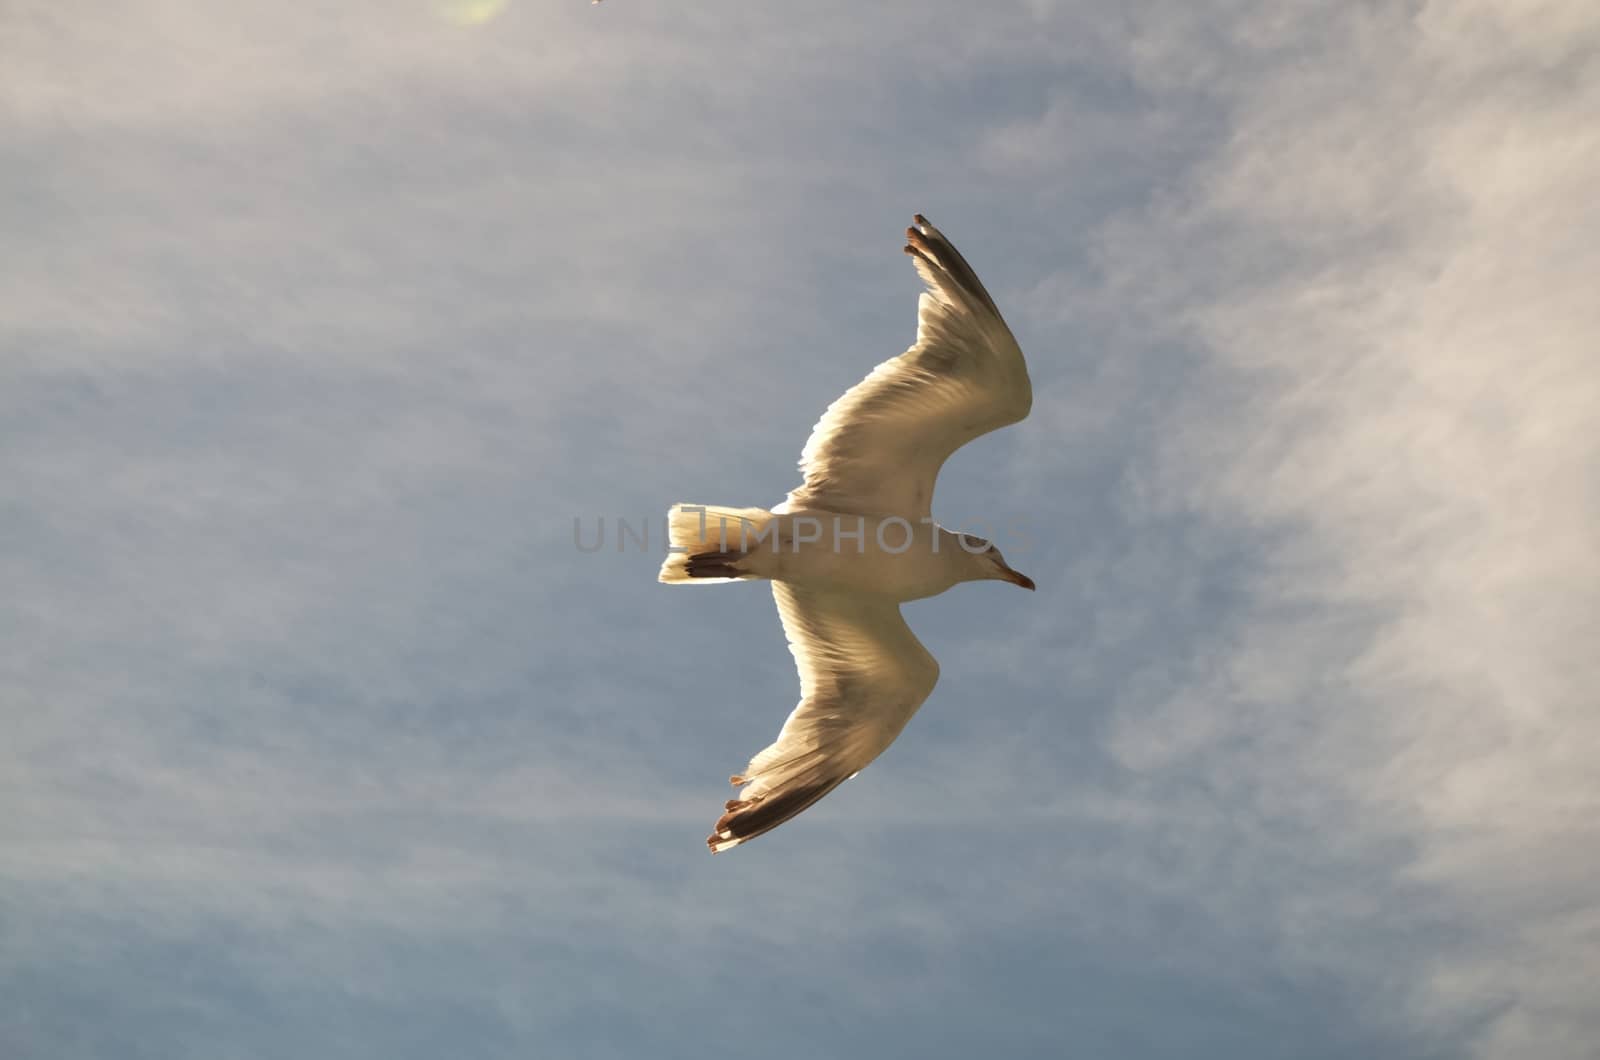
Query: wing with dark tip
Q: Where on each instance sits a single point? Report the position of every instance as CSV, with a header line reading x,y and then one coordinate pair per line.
x,y
863,674
878,449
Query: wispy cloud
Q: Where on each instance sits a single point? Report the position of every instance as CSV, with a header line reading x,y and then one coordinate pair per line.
x,y
1386,264
322,327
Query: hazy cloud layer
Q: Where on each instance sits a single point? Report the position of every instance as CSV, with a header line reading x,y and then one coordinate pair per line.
x,y
323,326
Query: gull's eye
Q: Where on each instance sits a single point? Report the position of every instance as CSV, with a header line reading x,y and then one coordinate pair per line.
x,y
974,543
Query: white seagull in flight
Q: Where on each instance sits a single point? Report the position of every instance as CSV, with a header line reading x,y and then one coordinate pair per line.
x,y
856,540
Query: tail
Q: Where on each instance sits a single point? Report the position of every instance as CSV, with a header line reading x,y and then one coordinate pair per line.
x,y
709,543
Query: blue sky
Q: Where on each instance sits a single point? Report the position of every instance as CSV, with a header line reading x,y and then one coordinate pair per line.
x,y
322,324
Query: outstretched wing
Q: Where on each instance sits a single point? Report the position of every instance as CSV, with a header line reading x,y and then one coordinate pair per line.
x,y
862,675
879,448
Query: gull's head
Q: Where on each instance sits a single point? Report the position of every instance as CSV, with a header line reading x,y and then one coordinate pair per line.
x,y
990,564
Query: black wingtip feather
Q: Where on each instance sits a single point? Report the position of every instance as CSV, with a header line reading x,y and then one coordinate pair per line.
x,y
747,818
939,252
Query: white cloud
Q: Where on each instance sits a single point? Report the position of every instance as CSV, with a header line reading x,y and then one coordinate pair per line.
x,y
1394,253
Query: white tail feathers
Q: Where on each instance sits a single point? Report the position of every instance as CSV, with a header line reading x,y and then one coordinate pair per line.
x,y
707,541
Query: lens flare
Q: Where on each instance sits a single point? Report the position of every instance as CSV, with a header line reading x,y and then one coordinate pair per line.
x,y
470,12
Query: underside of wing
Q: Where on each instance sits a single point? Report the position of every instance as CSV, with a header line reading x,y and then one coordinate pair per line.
x,y
878,449
863,674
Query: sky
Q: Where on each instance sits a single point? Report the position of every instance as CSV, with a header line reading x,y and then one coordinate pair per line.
x,y
323,328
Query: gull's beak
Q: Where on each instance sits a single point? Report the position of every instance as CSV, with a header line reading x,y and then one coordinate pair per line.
x,y
1018,578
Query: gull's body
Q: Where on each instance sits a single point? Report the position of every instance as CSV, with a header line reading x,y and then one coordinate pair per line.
x,y
857,553
856,539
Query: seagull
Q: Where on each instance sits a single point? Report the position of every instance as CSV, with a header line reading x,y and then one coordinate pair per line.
x,y
856,539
